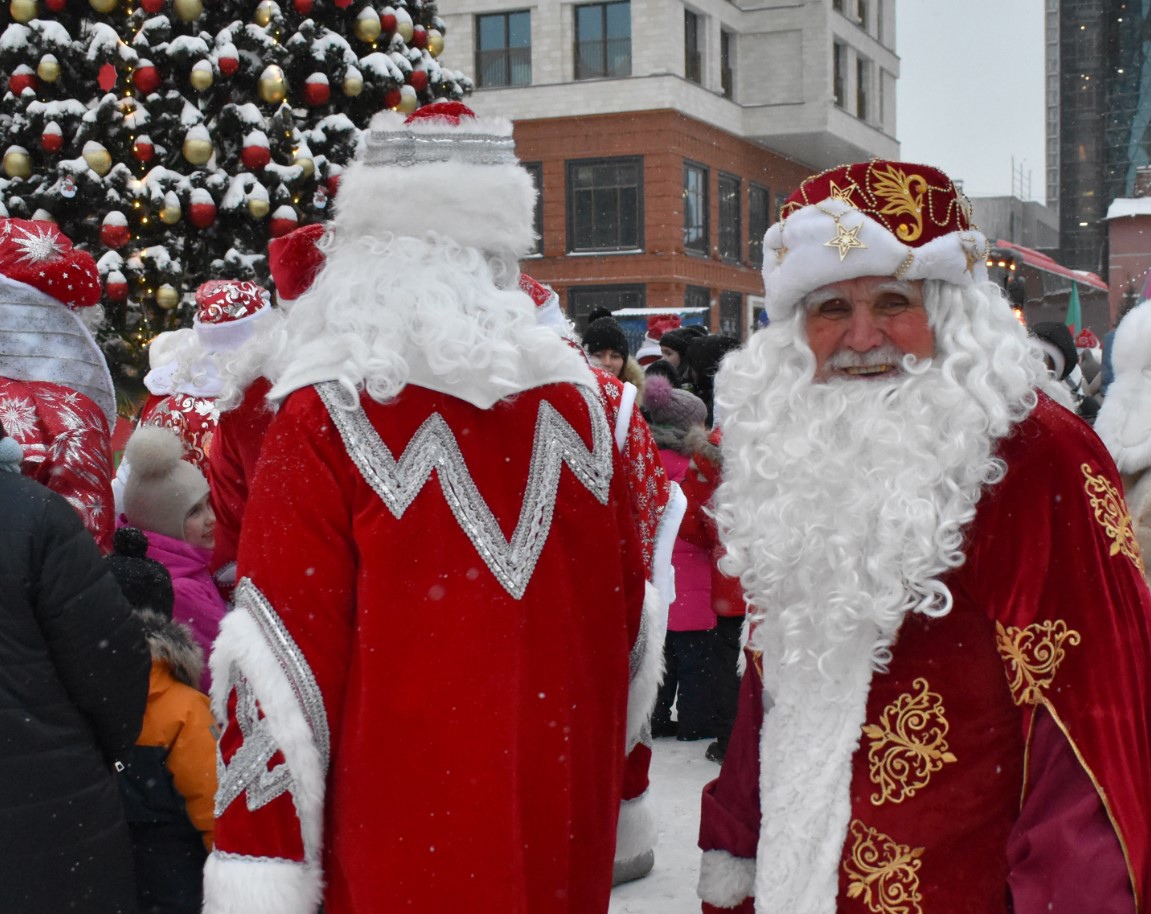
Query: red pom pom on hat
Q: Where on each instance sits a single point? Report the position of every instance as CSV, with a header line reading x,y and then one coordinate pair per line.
x,y
1086,339
295,260
38,254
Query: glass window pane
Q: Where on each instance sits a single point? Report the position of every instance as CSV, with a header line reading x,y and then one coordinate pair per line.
x,y
589,23
618,20
519,30
491,32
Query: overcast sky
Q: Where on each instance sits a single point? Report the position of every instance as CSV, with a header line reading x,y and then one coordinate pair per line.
x,y
970,90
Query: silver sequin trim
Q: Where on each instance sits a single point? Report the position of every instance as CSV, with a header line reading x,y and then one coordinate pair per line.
x,y
639,649
405,148
434,447
247,773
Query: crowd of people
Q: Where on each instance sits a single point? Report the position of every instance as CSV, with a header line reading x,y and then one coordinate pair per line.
x,y
403,574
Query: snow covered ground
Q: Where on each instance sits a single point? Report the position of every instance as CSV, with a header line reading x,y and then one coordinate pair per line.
x,y
678,773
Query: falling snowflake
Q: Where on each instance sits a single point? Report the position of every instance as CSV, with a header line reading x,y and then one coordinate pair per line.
x,y
18,417
38,245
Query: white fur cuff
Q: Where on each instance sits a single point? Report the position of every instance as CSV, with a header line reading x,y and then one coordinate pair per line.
x,y
636,831
724,879
646,667
260,885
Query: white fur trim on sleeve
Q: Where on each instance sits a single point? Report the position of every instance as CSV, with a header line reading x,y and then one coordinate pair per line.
x,y
636,832
724,879
645,668
662,570
623,415
252,885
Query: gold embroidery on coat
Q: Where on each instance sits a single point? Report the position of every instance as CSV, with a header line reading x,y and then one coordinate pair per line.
x,y
882,874
1033,655
902,196
1112,514
908,744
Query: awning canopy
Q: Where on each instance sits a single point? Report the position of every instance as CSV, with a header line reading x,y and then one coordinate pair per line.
x,y
1042,262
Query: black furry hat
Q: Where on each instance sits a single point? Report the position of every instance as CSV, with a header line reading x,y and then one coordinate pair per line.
x,y
677,341
705,353
605,333
145,582
1056,342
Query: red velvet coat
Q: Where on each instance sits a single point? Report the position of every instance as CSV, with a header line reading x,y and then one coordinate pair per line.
x,y
420,718
1044,658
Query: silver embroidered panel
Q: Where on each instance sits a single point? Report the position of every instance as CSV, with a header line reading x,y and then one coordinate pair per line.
x,y
434,447
639,649
247,773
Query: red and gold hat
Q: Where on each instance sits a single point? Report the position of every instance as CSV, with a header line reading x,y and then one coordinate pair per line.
x,y
226,310
874,218
38,254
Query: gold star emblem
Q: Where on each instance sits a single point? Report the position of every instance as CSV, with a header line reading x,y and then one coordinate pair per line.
x,y
845,240
843,194
780,253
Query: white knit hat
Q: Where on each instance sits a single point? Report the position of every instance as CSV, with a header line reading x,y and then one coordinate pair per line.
x,y
162,487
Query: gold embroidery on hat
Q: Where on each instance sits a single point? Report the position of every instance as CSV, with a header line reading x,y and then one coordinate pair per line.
x,y
902,196
904,265
845,239
908,744
843,194
1112,515
1033,655
882,874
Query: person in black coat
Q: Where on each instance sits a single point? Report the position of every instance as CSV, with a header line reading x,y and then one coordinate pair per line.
x,y
74,671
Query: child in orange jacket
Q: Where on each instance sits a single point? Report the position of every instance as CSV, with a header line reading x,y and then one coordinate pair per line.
x,y
168,779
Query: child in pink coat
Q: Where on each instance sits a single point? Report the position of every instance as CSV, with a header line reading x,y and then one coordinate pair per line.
x,y
167,497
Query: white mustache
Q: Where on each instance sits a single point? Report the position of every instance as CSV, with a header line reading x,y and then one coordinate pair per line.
x,y
884,355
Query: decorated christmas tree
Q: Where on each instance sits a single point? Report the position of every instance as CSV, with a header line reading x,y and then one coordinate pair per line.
x,y
172,138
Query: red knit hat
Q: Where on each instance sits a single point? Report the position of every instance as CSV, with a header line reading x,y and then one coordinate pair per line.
x,y
38,254
874,218
225,309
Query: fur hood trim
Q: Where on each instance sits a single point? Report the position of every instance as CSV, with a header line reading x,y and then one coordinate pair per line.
x,y
698,441
675,439
173,643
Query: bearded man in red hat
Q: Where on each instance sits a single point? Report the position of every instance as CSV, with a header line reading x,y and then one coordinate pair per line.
x,y
946,708
439,648
56,394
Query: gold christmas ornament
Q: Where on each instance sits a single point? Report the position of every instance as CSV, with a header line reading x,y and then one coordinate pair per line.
x,y
24,10
201,76
404,27
435,42
167,297
103,6
188,10
17,163
306,165
49,68
265,11
273,85
409,100
257,207
197,150
353,83
170,214
368,25
97,157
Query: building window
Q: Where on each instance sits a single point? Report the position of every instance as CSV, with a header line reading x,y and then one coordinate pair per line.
x,y
758,219
837,5
583,300
697,297
862,88
603,40
731,314
693,63
861,13
504,49
839,73
605,205
727,63
536,170
695,208
729,221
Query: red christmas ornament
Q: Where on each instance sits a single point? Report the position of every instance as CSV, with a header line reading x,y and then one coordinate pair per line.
x,y
333,185
106,78
419,36
23,77
52,139
143,150
388,22
283,220
303,7
114,231
343,4
392,98
152,7
419,80
316,90
201,209
255,154
146,78
228,61
116,286
56,6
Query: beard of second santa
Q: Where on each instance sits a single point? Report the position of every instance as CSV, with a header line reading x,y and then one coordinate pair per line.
x,y
851,510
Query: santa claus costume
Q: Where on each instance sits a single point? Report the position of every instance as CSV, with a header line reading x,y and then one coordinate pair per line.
x,y
56,394
947,709
441,604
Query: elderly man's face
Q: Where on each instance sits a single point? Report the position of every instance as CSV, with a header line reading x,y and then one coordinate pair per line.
x,y
862,328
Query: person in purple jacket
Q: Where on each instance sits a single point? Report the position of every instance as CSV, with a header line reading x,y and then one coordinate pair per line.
x,y
167,497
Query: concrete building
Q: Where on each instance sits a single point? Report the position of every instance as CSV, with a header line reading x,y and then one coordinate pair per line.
x,y
1025,222
663,135
1129,235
